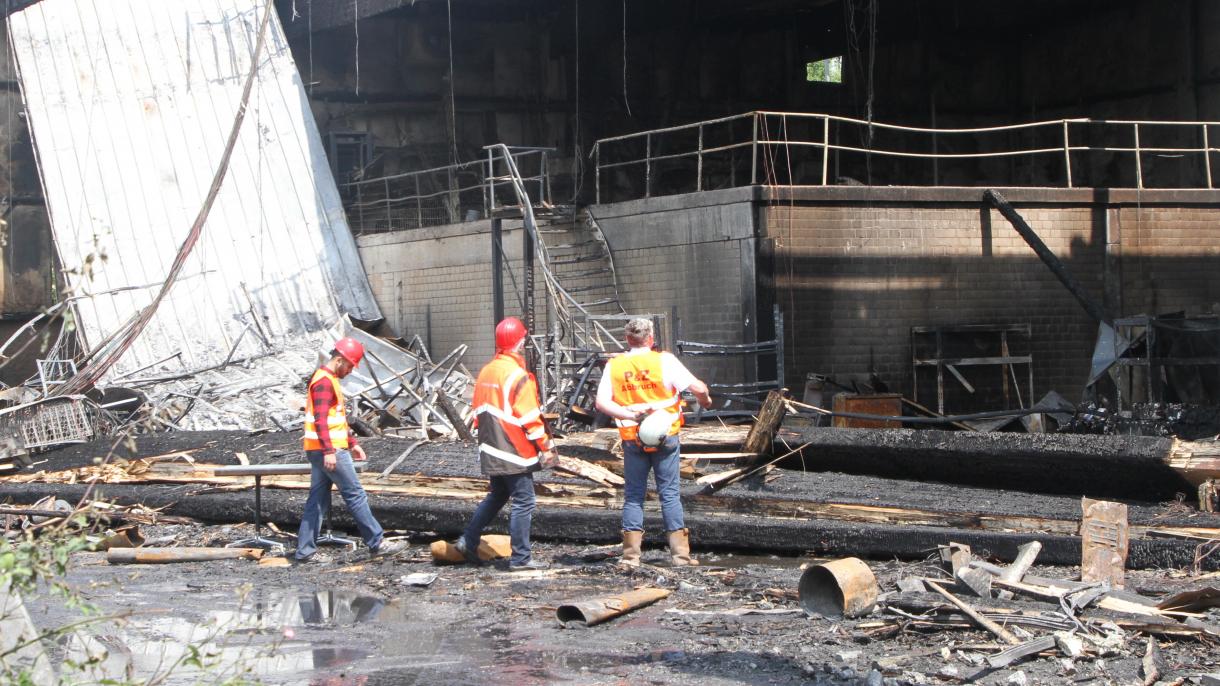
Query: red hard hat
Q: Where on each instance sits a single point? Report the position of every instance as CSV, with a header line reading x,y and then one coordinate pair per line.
x,y
350,350
509,332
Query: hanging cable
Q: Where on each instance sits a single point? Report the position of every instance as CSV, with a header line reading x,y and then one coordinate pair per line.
x,y
578,168
453,150
356,23
626,103
309,30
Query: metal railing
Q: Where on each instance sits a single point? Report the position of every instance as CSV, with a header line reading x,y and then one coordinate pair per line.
x,y
450,194
792,148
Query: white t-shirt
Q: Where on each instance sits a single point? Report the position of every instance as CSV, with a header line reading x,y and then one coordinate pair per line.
x,y
674,375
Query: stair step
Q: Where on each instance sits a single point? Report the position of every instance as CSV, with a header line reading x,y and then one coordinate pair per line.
x,y
585,289
584,274
569,246
598,303
575,260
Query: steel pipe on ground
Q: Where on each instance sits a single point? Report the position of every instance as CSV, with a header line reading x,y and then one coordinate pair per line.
x,y
592,612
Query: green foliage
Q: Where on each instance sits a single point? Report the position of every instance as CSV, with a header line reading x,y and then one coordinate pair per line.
x,y
829,70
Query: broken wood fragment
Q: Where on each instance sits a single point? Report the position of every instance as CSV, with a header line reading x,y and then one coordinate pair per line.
x,y
1000,632
170,555
1022,650
491,547
762,432
588,470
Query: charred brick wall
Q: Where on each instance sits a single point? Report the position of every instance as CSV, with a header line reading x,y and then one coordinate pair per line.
x,y
855,270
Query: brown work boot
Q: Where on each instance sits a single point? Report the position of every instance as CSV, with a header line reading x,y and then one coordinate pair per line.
x,y
679,548
633,541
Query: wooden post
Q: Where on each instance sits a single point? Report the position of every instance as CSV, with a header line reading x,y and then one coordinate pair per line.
x,y
758,440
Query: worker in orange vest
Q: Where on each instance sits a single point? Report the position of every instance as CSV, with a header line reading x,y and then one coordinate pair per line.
x,y
513,444
331,448
634,385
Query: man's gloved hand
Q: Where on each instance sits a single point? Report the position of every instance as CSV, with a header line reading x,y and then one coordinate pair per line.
x,y
548,459
641,416
329,462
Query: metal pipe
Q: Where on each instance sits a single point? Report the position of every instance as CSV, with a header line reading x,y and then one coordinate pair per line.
x,y
825,148
1207,157
839,588
1067,153
754,153
497,269
648,165
593,612
1139,165
699,161
167,555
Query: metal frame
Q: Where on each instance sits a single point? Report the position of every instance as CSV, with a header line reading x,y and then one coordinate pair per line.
x,y
1154,389
741,391
761,140
1005,360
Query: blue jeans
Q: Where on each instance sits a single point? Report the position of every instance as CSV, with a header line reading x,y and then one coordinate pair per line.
x,y
519,487
664,464
318,503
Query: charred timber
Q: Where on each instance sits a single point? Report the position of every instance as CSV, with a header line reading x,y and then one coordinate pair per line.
x,y
793,535
1137,467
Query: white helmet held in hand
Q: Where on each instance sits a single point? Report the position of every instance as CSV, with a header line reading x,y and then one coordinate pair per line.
x,y
655,428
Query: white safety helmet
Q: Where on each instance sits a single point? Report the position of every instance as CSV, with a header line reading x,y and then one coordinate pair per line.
x,y
655,428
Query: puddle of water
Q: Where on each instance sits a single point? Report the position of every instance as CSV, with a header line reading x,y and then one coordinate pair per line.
x,y
739,560
265,633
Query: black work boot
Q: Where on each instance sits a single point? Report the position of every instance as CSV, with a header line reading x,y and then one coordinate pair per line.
x,y
472,556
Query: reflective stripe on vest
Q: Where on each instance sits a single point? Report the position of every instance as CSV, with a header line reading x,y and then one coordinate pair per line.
x,y
495,390
336,419
638,385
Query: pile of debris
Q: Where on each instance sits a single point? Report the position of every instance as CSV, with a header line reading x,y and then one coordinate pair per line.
x,y
1089,619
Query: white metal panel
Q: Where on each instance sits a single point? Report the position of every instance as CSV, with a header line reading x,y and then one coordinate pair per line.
x,y
130,103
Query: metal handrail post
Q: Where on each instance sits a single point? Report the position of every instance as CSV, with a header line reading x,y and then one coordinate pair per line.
x,y
546,178
1067,153
419,205
389,223
491,183
825,149
754,153
1207,157
360,208
699,161
1139,166
648,165
597,174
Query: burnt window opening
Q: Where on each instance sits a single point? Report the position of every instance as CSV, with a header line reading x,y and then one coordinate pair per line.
x,y
829,70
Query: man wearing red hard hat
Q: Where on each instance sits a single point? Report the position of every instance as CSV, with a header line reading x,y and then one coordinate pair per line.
x,y
513,444
330,446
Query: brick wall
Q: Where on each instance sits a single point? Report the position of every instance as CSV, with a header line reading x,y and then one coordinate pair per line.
x,y
692,255
854,271
446,270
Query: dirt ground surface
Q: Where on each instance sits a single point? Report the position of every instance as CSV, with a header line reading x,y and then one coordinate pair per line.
x,y
349,620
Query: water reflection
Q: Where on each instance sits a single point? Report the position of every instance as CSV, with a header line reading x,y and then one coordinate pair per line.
x,y
264,633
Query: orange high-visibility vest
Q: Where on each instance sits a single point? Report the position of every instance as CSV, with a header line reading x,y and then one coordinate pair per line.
x,y
639,386
336,419
507,417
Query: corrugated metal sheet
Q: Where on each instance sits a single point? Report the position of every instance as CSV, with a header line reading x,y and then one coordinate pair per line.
x,y
129,103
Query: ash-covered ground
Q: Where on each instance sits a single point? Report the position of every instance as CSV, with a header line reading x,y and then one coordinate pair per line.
x,y
348,620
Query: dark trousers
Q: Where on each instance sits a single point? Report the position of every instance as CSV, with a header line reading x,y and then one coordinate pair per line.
x,y
518,487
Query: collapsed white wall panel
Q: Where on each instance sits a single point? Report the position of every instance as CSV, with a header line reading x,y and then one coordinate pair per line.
x,y
130,103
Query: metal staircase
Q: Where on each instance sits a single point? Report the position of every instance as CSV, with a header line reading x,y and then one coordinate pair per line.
x,y
578,274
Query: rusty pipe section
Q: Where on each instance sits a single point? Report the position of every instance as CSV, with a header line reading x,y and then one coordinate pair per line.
x,y
168,555
591,612
839,588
